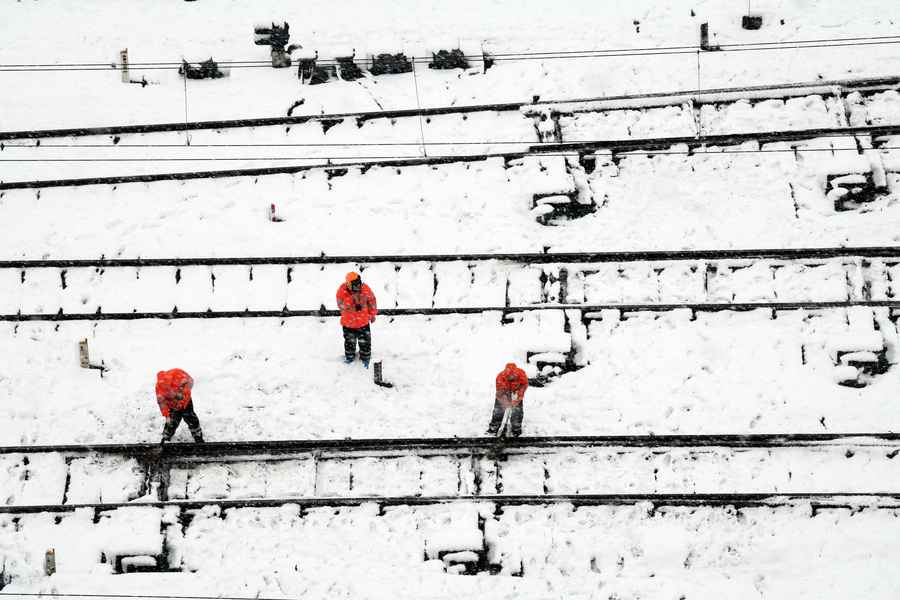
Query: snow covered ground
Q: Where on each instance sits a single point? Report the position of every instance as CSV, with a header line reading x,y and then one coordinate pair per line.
x,y
275,379
674,372
171,30
707,200
628,551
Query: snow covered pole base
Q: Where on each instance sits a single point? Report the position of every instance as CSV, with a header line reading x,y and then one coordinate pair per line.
x,y
274,217
50,562
378,376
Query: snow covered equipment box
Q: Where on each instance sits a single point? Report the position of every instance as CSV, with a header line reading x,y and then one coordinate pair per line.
x,y
309,73
347,68
751,22
388,64
850,191
704,38
454,59
208,69
272,35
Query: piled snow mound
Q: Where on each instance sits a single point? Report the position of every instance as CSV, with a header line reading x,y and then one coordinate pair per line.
x,y
82,543
633,549
811,112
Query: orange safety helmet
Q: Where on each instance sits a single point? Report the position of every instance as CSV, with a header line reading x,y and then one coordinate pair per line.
x,y
351,277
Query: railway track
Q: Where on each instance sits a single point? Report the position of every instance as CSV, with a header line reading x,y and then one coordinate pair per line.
x,y
589,309
878,500
572,128
273,287
460,535
337,166
570,105
680,469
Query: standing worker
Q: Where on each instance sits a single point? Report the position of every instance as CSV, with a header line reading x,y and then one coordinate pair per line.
x,y
357,305
173,393
511,385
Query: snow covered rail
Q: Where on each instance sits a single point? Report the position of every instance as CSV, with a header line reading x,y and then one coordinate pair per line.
x,y
337,165
459,310
266,447
524,258
522,536
726,139
705,280
820,501
607,469
607,102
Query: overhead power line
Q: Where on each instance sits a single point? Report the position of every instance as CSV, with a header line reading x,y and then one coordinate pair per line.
x,y
147,596
509,56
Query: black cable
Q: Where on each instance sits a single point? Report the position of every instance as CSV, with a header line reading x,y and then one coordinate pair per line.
x,y
493,55
161,597
520,56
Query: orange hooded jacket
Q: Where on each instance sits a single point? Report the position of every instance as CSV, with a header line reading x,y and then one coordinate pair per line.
x,y
511,385
168,385
357,309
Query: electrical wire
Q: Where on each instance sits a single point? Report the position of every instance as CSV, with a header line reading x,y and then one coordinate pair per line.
x,y
529,143
510,56
149,596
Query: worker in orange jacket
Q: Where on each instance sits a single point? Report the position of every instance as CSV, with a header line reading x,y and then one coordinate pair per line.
x,y
511,384
173,394
358,309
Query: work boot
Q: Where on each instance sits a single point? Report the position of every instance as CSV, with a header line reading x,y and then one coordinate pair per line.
x,y
348,359
198,435
365,363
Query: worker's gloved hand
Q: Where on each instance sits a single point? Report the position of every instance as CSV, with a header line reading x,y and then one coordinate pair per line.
x,y
358,307
179,396
372,319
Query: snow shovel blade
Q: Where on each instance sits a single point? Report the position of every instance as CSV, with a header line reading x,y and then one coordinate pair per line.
x,y
504,424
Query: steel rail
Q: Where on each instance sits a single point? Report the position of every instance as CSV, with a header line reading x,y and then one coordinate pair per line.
x,y
428,312
890,252
340,168
434,111
738,500
243,448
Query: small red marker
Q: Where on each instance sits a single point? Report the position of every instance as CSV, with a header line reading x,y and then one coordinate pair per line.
x,y
272,216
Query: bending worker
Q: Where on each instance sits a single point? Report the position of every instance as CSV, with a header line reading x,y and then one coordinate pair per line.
x,y
173,394
511,385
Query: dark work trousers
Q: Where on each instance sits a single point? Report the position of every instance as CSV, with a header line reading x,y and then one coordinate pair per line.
x,y
174,420
364,336
517,414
